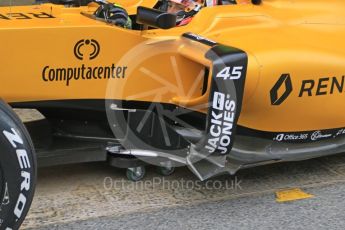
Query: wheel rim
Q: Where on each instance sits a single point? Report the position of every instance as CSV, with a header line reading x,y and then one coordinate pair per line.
x,y
138,172
135,174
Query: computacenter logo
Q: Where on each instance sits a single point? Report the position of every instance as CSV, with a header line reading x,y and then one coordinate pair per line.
x,y
281,90
84,50
80,46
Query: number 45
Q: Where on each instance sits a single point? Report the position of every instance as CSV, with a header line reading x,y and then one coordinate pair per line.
x,y
235,74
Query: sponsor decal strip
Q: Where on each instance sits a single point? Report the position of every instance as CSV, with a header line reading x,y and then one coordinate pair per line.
x,y
294,137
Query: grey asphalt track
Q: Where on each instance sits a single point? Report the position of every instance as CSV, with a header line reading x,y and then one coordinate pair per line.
x,y
96,196
325,211
16,2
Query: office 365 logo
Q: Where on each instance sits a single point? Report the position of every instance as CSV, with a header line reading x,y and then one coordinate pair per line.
x,y
281,90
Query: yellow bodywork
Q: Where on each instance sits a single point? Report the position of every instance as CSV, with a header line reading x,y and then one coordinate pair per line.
x,y
302,38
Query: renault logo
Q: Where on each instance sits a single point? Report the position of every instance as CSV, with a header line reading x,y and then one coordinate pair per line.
x,y
281,90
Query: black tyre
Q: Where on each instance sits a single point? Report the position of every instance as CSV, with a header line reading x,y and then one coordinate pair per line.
x,y
17,169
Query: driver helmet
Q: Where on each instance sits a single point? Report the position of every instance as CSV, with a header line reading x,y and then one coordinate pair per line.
x,y
185,9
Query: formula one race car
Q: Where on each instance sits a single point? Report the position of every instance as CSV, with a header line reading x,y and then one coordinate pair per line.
x,y
241,85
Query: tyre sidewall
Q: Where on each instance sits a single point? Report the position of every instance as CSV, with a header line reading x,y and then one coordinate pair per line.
x,y
18,165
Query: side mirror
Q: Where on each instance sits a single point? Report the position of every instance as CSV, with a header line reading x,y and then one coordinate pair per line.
x,y
155,18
